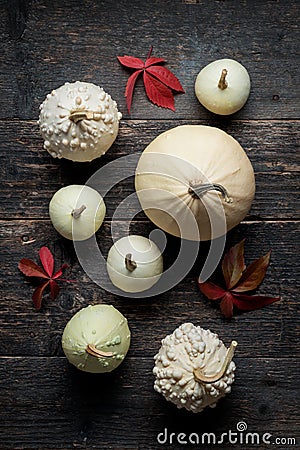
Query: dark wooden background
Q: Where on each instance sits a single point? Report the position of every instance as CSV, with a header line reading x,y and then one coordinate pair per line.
x,y
44,402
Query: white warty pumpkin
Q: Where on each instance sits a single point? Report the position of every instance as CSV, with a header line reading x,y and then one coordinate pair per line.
x,y
78,121
193,368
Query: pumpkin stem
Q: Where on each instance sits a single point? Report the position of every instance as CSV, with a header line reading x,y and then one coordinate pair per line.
x,y
78,115
76,213
197,190
222,82
93,351
129,263
199,375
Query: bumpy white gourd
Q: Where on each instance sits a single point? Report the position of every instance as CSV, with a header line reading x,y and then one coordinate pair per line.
x,y
223,86
134,263
96,339
77,211
78,121
193,368
192,177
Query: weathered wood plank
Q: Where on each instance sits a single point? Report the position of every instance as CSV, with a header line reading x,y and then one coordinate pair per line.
x,y
30,176
271,331
46,44
71,409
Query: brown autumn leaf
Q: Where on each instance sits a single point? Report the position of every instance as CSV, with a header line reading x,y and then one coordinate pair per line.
x,y
254,274
233,264
240,280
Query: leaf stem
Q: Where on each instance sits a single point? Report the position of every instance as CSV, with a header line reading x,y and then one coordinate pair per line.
x,y
200,377
76,213
150,51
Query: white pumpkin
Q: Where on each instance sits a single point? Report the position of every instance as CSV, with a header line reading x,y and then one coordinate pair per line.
x,y
195,182
193,368
134,263
96,339
223,86
77,211
78,121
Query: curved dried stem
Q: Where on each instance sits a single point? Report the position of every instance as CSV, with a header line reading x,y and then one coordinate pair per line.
x,y
198,190
200,377
93,351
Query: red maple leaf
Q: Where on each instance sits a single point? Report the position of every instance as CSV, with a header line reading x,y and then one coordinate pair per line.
x,y
159,81
239,278
31,269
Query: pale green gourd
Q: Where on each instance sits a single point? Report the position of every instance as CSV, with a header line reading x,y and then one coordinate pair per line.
x,y
96,339
77,211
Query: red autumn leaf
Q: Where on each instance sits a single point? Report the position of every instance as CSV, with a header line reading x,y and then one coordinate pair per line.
x,y
150,61
226,306
254,274
233,264
211,290
131,62
54,289
130,88
47,260
59,273
38,294
31,269
166,76
252,302
239,279
159,81
158,93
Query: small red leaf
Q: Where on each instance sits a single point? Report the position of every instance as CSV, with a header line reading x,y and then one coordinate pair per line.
x,y
59,272
233,264
150,61
47,260
166,76
54,289
131,62
159,82
252,302
254,274
130,87
226,305
211,290
30,269
158,93
38,294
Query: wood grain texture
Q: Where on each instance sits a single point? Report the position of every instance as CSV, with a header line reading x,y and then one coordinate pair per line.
x,y
46,44
122,410
271,331
30,176
45,402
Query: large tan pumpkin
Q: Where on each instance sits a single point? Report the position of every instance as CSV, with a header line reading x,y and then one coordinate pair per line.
x,y
195,182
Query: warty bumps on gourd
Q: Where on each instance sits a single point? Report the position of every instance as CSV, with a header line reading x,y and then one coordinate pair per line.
x,y
78,121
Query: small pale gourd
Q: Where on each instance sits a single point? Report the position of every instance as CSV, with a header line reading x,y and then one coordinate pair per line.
x,y
134,263
223,86
96,339
195,182
77,211
78,121
193,368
